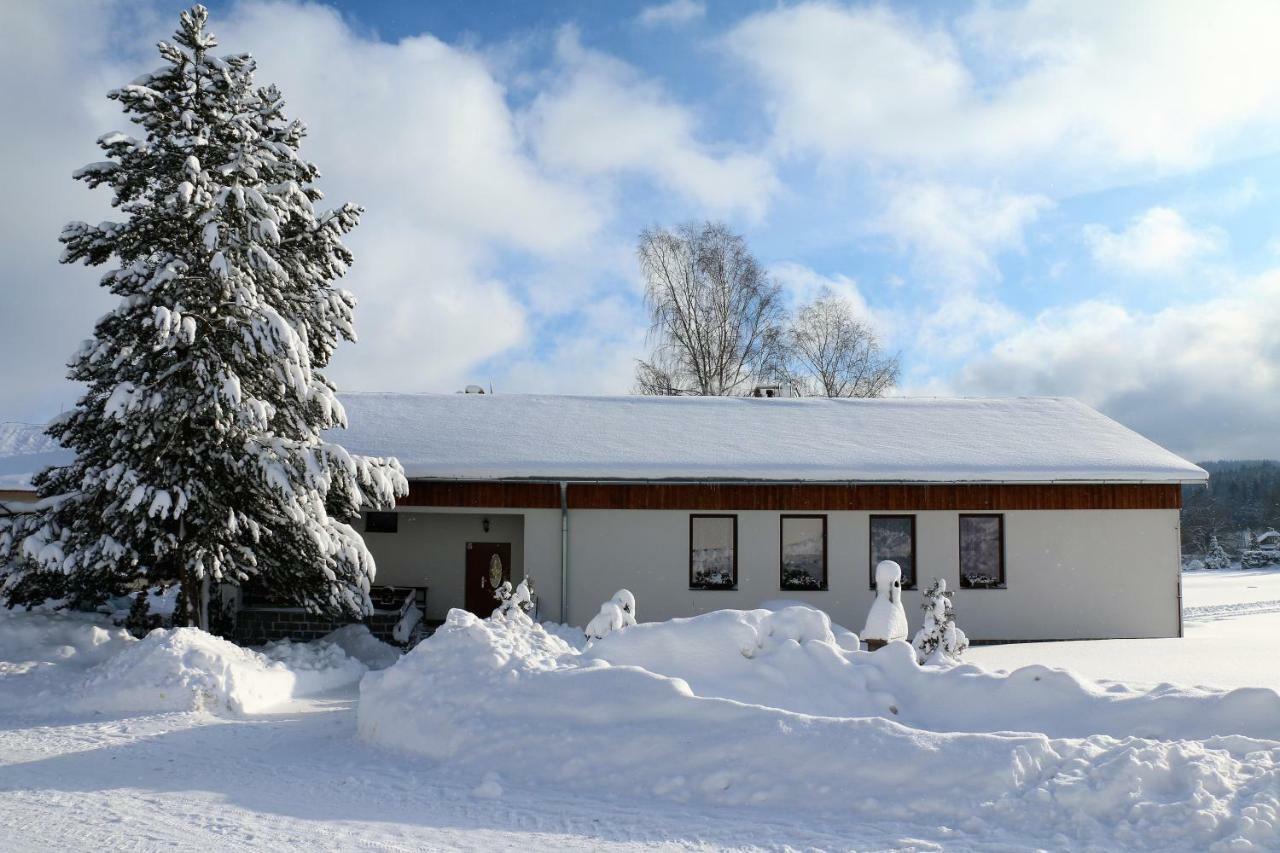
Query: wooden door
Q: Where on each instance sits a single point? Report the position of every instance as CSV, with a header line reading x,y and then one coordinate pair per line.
x,y
479,591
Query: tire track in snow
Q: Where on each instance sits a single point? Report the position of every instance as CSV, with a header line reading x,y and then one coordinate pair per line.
x,y
1243,608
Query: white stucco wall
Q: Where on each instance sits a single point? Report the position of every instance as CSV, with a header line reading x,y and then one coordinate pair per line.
x,y
1070,574
1074,574
429,549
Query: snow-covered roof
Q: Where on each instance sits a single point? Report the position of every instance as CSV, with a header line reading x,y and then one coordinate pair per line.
x,y
519,436
936,440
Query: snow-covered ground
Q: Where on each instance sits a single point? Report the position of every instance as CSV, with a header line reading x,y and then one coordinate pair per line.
x,y
706,734
1231,622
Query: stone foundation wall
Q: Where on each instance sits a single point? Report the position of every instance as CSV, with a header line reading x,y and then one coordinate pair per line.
x,y
257,626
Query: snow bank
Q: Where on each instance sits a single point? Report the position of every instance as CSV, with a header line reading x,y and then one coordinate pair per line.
x,y
359,643
184,669
52,662
764,709
30,638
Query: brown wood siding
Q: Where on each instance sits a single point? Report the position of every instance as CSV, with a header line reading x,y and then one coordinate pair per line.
x,y
796,497
482,494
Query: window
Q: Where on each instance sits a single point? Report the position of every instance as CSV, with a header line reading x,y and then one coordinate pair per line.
x,y
713,552
804,552
893,537
982,551
381,522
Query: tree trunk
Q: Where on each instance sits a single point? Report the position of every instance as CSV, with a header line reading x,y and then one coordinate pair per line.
x,y
204,603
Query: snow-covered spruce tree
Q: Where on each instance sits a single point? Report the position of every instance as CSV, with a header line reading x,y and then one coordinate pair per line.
x,y
939,640
198,449
1216,558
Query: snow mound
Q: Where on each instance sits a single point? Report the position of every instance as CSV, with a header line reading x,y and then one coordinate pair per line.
x,y
53,662
359,643
29,638
184,669
765,708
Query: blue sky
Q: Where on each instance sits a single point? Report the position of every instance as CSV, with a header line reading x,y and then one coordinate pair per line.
x,y
1026,198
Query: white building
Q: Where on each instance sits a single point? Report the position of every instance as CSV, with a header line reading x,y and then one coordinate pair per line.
x,y
1049,520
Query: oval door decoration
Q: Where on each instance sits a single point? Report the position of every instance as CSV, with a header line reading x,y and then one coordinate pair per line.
x,y
495,571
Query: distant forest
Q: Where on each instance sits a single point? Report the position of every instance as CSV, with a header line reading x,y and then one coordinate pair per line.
x,y
1241,496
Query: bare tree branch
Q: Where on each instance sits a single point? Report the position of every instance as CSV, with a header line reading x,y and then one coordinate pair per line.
x,y
838,353
717,321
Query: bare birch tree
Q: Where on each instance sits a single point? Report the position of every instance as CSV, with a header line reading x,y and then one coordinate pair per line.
x,y
717,320
836,353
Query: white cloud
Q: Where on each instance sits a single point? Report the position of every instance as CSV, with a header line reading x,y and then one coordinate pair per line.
x,y
961,325
956,232
51,121
802,285
1157,241
419,132
600,117
599,358
675,13
1045,89
1201,378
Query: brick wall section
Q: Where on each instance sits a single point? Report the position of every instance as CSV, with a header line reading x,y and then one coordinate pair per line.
x,y
255,627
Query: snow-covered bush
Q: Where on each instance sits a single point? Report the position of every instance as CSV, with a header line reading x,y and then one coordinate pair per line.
x,y
1194,566
615,614
625,600
608,620
521,599
1217,557
887,620
939,641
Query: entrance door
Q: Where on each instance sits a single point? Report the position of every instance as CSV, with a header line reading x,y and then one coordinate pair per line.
x,y
480,578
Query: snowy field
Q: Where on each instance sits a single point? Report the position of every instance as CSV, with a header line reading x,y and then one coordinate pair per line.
x,y
750,730
1231,622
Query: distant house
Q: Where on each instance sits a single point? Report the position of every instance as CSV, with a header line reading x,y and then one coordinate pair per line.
x,y
24,451
1049,520
1264,552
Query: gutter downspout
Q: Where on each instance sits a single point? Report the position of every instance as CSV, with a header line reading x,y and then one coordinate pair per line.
x,y
564,551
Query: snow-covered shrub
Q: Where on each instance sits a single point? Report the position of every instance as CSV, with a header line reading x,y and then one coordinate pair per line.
x,y
939,641
615,614
624,599
1194,566
1217,557
887,620
608,620
520,599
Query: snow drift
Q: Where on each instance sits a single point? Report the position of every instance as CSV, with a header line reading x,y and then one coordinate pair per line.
x,y
766,710
55,662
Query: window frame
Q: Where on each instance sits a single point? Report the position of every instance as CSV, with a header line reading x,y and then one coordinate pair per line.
x,y
696,588
915,554
826,580
395,523
1004,569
